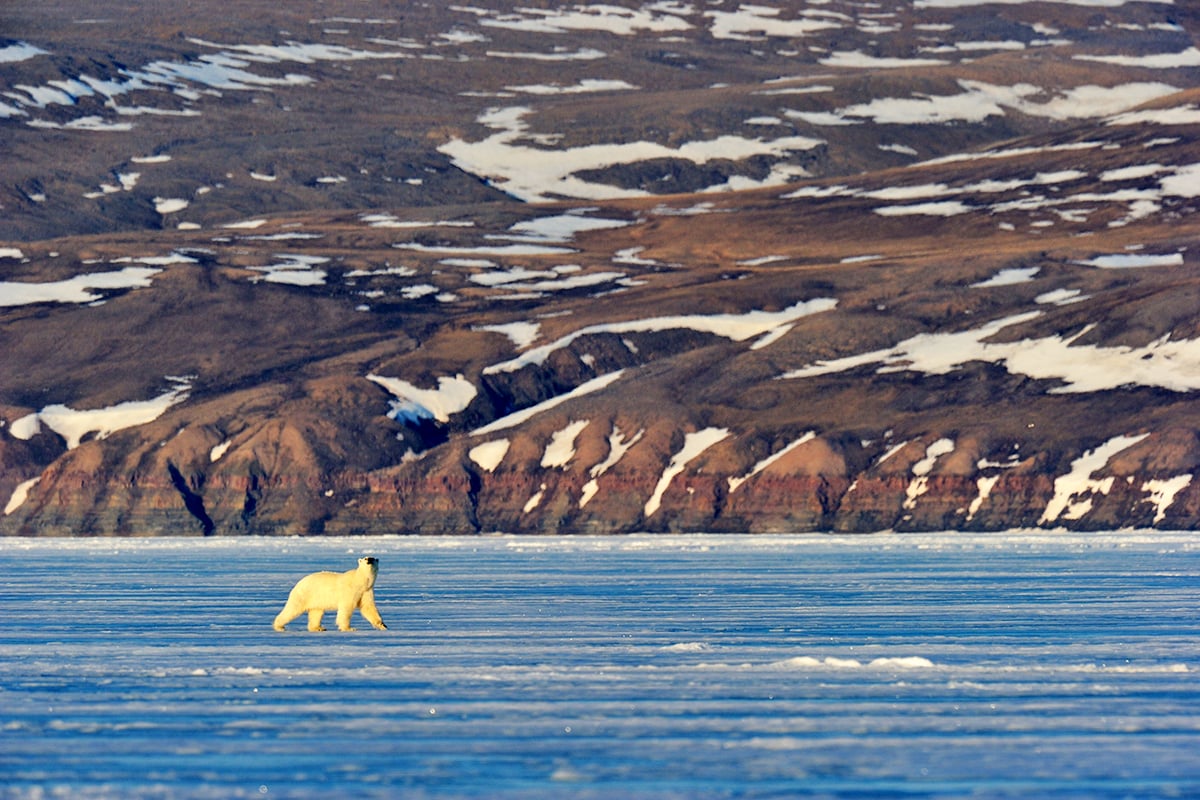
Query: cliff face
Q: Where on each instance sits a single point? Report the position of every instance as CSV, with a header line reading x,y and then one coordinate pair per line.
x,y
901,276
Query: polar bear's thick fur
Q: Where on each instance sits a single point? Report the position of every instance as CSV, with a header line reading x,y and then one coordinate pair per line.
x,y
334,591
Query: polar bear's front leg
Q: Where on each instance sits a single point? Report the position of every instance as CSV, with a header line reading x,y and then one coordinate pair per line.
x,y
314,619
343,618
367,606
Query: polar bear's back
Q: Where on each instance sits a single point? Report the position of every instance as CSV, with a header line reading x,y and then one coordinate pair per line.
x,y
320,590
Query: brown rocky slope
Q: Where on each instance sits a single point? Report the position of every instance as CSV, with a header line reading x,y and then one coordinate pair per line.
x,y
958,291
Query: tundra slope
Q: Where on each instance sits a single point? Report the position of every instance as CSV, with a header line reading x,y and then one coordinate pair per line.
x,y
917,293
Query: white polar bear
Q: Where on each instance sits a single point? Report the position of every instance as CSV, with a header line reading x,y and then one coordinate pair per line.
x,y
334,591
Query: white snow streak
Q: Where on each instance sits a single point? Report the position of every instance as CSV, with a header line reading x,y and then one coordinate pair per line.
x,y
1163,493
618,446
1069,490
517,417
489,454
737,327
19,495
1164,363
413,404
73,425
693,445
734,483
561,449
921,470
74,290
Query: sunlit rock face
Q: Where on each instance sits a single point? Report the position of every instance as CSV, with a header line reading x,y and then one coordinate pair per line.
x,y
599,268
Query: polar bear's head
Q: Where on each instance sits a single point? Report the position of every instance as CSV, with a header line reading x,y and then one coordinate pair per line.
x,y
369,563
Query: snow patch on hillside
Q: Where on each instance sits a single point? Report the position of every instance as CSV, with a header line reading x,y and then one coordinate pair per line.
x,y
617,20
694,444
980,100
79,289
489,454
20,495
737,327
521,334
518,417
618,446
1163,493
920,470
561,448
763,464
1073,492
413,404
536,174
19,51
72,424
1164,363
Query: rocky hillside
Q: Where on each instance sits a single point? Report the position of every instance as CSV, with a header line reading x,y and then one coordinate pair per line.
x,y
543,268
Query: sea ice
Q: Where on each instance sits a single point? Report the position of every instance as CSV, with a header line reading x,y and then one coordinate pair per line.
x,y
1014,664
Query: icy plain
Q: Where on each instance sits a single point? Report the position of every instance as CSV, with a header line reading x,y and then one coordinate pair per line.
x,y
1048,665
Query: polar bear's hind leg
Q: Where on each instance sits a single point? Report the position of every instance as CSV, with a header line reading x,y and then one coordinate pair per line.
x,y
314,619
292,609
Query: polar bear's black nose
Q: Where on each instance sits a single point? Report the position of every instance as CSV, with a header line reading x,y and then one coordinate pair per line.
x,y
372,560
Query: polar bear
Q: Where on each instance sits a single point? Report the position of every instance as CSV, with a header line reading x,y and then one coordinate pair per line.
x,y
334,591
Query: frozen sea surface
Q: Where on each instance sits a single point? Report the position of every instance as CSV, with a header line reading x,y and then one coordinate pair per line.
x,y
916,666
